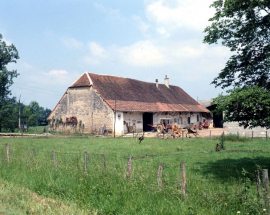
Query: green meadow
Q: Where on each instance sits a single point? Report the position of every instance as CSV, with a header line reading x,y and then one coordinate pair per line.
x,y
217,182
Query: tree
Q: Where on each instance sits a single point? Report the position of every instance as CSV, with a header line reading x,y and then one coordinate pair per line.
x,y
244,27
8,54
32,113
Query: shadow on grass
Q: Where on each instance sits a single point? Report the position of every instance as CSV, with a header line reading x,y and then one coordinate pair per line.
x,y
224,170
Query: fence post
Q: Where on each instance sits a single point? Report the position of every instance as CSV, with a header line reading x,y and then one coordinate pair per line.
x,y
35,133
7,151
128,168
266,135
210,134
136,137
68,133
184,182
103,162
57,133
82,133
252,135
258,182
9,133
159,176
266,188
34,155
54,160
85,162
163,134
237,135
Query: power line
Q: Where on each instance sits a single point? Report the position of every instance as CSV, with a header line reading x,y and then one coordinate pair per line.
x,y
39,89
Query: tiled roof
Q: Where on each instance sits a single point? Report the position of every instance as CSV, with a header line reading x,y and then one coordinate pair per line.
x,y
134,95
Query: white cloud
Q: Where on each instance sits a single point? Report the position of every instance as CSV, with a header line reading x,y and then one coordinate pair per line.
x,y
72,43
97,50
57,73
91,60
143,53
113,13
172,15
143,27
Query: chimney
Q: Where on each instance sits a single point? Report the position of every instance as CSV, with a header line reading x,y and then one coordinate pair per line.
x,y
166,80
157,83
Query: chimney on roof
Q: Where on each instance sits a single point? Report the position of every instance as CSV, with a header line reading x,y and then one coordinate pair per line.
x,y
166,80
157,83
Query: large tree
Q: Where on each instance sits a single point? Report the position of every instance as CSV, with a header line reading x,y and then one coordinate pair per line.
x,y
244,27
8,54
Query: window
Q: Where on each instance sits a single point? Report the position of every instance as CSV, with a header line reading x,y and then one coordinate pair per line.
x,y
198,118
180,120
188,120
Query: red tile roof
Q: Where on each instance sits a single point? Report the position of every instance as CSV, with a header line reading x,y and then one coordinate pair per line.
x,y
134,95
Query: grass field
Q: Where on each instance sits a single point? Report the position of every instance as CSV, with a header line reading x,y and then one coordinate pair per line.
x,y
217,182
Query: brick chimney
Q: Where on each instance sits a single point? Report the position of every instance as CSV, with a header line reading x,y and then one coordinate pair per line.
x,y
166,80
157,83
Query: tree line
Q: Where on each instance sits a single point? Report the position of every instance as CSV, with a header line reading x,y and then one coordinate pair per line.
x,y
32,114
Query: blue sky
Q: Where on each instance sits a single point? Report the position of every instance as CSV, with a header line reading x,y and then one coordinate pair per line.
x,y
59,40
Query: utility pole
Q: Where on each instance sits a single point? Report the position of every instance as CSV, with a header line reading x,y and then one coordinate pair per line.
x,y
114,118
19,114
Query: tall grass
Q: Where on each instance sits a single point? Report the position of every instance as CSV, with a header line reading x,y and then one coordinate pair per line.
x,y
217,183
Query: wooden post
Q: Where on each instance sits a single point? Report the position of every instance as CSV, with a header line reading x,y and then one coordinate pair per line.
x,y
184,182
54,160
196,134
83,133
57,133
34,156
133,133
7,151
136,137
163,134
266,135
237,135
35,133
103,162
252,135
128,168
10,134
159,175
266,189
210,134
85,162
258,182
28,153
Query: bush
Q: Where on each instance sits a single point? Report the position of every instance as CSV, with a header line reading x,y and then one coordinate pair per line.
x,y
234,138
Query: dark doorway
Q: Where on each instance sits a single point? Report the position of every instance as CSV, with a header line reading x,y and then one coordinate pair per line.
x,y
217,118
147,119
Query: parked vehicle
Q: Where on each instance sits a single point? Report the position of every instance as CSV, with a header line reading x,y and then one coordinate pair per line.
x,y
165,125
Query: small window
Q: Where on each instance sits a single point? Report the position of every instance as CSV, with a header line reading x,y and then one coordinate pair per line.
x,y
197,118
180,120
188,120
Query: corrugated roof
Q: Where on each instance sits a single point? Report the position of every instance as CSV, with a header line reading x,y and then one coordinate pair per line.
x,y
135,95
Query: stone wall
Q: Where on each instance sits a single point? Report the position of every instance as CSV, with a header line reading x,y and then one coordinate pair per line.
x,y
87,106
233,128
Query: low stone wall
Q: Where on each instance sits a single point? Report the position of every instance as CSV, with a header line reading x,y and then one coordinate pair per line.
x,y
234,128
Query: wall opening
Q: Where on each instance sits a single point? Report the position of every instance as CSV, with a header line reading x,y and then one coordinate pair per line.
x,y
147,119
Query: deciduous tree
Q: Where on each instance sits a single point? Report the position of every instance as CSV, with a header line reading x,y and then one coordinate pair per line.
x,y
244,27
8,54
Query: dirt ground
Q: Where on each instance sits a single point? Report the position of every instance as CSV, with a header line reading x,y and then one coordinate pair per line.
x,y
204,133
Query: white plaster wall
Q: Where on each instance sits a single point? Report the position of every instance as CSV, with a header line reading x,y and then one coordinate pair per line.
x,y
134,119
234,128
176,117
119,123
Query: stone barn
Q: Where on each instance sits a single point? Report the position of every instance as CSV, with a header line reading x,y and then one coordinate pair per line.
x,y
123,105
